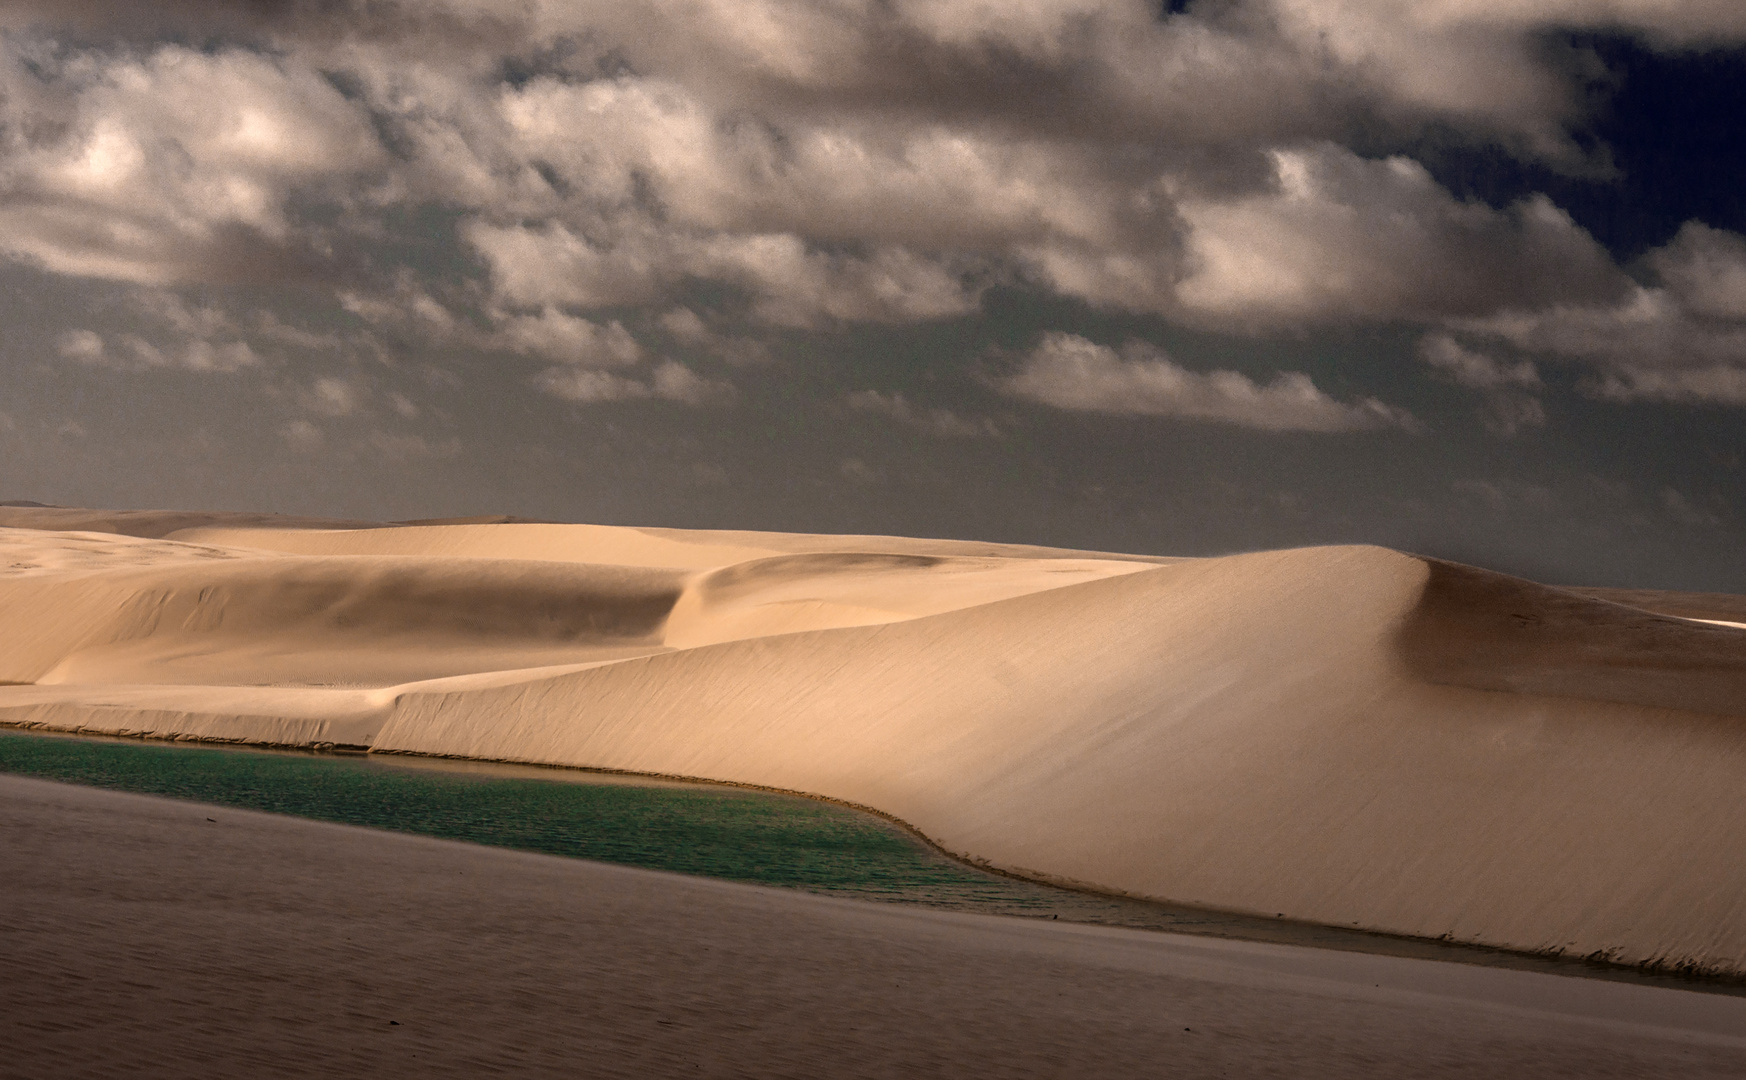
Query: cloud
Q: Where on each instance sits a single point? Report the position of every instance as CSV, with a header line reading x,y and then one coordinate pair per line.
x,y
1503,494
303,436
1717,385
1474,369
402,447
588,386
856,471
1069,372
1684,511
83,346
1508,410
403,406
674,381
335,397
197,339
554,335
1338,238
813,166
936,421
1681,337
579,351
670,381
796,285
537,265
1509,415
688,329
1238,71
791,283
172,166
1308,232
1706,269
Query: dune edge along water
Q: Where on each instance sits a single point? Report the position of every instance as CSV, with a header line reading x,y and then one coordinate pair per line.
x,y
653,823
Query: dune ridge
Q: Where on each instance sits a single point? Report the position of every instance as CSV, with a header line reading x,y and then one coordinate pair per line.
x,y
1344,735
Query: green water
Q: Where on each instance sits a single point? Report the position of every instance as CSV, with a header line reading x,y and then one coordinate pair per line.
x,y
723,832
734,833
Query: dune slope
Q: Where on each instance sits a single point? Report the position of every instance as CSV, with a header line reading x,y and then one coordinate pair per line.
x,y
1344,735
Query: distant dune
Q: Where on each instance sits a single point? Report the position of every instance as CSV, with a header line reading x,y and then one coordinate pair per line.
x,y
1346,735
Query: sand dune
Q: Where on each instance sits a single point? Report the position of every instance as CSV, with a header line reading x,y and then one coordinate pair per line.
x,y
1345,735
1705,607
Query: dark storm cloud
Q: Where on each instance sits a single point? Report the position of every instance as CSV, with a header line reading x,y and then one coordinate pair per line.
x,y
1069,372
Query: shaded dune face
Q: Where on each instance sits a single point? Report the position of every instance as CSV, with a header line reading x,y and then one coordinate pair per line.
x,y
1490,631
152,524
605,545
1346,735
360,620
468,599
1718,607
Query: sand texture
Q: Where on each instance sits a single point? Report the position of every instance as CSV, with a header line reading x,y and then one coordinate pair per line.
x,y
146,937
1343,735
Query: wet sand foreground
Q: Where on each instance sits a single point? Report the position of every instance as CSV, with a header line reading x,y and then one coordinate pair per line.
x,y
151,937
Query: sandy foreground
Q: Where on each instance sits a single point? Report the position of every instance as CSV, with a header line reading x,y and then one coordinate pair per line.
x,y
156,938
1349,735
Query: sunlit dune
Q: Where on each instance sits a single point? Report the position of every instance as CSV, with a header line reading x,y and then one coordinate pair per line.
x,y
1346,735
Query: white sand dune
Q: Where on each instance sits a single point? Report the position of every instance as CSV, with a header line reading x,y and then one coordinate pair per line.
x,y
1345,735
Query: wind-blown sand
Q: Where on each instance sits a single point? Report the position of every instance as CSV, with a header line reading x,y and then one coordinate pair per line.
x,y
1343,735
146,937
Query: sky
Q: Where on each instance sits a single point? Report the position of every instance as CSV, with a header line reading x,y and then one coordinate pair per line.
x,y
1462,277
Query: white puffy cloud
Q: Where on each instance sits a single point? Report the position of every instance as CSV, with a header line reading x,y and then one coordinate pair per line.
x,y
673,381
790,282
686,327
670,381
554,335
1070,372
588,385
1705,269
837,178
794,285
174,166
331,395
84,346
1336,237
550,264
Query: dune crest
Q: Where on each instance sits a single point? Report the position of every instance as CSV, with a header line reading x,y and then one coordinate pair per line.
x,y
1346,735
